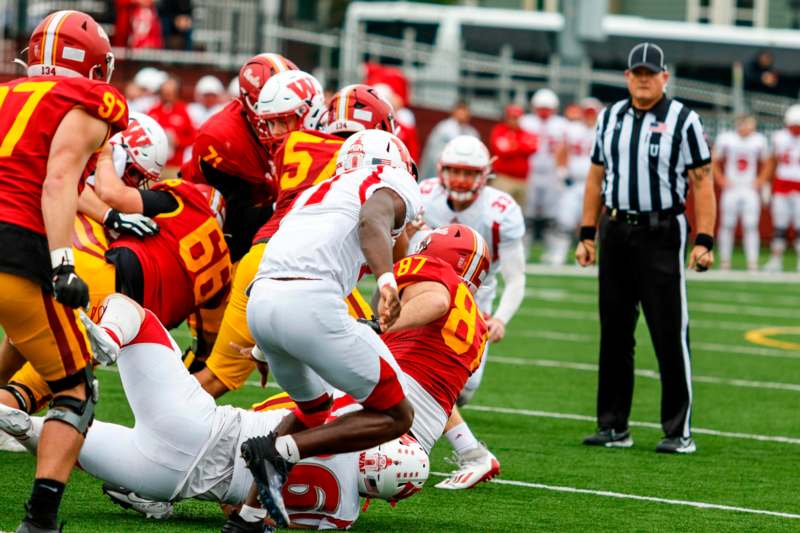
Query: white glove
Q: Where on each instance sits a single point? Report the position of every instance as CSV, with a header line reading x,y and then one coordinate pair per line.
x,y
131,223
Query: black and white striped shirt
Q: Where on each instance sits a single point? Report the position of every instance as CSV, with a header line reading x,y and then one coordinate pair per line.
x,y
646,155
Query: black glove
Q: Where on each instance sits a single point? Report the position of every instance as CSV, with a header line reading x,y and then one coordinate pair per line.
x,y
68,288
371,322
131,223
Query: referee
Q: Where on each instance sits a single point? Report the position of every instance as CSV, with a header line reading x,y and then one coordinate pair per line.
x,y
649,151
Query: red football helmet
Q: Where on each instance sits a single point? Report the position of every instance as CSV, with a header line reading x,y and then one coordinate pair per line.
x,y
359,107
253,75
463,248
70,43
215,201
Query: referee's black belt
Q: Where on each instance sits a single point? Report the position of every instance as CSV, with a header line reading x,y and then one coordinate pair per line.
x,y
649,218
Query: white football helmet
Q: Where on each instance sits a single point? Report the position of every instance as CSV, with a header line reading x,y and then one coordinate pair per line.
x,y
292,93
470,156
374,147
792,115
394,470
146,146
544,98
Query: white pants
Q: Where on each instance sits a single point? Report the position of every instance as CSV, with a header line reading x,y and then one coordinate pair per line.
x,y
543,196
739,203
312,343
786,210
570,208
174,420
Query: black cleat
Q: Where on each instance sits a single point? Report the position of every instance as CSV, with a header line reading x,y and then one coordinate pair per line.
x,y
29,527
677,445
235,524
270,472
610,438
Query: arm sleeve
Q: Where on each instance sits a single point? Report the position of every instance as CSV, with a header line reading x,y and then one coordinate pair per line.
x,y
512,269
156,202
597,150
694,146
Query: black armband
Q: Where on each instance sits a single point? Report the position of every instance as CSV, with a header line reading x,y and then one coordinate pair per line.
x,y
704,239
587,233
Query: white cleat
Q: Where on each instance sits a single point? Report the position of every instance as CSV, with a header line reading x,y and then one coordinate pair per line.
x,y
775,264
105,350
130,500
475,466
15,422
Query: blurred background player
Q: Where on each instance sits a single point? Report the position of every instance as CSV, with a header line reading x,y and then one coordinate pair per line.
x,y
784,170
740,170
544,187
42,166
172,113
154,271
209,97
460,195
445,131
572,166
142,92
512,148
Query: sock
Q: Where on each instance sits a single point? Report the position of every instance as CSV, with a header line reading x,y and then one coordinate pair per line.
x,y
725,243
44,503
461,438
121,319
252,514
751,242
287,448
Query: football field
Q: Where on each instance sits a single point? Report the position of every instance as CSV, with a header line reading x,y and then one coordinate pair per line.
x,y
536,404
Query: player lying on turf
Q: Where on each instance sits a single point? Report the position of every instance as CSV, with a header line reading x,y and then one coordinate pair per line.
x,y
158,271
185,446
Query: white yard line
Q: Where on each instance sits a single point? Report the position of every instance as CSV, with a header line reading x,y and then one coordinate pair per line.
x,y
625,496
650,374
651,425
731,349
712,276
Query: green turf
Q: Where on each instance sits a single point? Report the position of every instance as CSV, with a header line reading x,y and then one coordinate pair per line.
x,y
557,326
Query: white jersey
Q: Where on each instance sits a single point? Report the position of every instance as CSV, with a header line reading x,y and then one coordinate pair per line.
x,y
494,214
786,148
579,139
742,156
550,133
319,238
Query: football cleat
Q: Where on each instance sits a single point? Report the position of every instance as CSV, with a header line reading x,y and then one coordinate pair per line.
x,y
235,524
14,422
474,466
775,264
130,500
104,348
677,445
29,527
10,444
610,439
270,472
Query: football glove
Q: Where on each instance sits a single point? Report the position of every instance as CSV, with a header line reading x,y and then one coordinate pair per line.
x,y
131,223
68,288
372,323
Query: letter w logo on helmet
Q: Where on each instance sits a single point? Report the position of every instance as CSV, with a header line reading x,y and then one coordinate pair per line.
x,y
303,88
136,136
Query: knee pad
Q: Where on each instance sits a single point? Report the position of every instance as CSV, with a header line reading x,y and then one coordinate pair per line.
x,y
73,411
16,390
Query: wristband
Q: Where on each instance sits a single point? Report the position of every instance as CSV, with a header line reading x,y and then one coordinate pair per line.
x,y
62,256
704,239
387,278
587,233
105,217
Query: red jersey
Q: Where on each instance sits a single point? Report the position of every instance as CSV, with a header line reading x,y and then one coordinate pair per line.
x,y
186,263
31,109
513,147
441,355
227,143
303,160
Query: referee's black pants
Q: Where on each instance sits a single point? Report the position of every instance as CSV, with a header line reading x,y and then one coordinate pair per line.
x,y
644,266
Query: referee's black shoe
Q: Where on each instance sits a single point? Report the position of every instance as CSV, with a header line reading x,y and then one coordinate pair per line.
x,y
684,445
610,439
